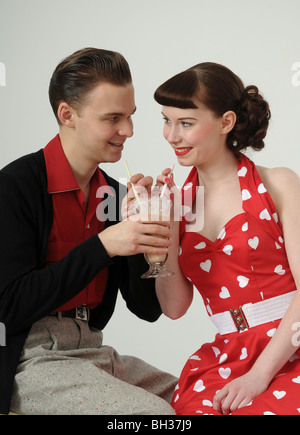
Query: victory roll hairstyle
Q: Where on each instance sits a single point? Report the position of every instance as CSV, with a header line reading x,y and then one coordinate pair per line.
x,y
220,90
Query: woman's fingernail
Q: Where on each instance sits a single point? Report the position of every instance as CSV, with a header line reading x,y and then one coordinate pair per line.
x,y
167,180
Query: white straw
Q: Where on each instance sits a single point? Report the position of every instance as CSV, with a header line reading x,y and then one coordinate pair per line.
x,y
165,185
133,188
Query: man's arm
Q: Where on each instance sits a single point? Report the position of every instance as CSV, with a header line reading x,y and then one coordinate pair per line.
x,y
28,289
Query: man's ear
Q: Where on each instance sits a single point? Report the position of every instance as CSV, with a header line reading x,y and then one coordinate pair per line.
x,y
65,114
228,122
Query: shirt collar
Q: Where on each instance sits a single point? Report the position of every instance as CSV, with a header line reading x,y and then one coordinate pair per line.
x,y
59,174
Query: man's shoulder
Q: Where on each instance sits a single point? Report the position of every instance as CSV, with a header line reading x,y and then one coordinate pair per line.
x,y
28,165
112,182
26,175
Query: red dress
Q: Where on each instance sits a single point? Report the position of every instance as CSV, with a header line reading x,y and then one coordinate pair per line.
x,y
246,263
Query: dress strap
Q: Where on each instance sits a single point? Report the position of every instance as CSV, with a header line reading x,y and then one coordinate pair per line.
x,y
256,199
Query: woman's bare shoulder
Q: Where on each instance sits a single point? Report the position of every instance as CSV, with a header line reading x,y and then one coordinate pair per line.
x,y
280,182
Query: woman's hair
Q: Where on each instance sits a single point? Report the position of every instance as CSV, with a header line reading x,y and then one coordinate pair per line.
x,y
220,90
79,73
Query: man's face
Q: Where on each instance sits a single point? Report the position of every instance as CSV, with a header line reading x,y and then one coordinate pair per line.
x,y
103,122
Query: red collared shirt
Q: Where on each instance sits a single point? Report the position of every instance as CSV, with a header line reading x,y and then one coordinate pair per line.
x,y
73,223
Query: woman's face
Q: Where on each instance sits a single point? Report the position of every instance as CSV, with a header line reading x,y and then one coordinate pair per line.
x,y
195,135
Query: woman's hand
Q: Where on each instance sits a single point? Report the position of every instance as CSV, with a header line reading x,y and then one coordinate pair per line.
x,y
142,186
164,178
172,192
133,236
240,392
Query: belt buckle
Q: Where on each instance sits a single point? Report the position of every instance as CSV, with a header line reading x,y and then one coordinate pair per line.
x,y
239,319
82,313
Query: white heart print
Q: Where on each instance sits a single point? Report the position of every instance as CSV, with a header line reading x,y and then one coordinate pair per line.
x,y
243,171
253,243
265,215
272,332
279,270
207,403
199,386
206,266
244,354
261,188
224,293
223,358
228,249
279,394
224,373
201,245
216,351
209,310
245,227
195,357
222,234
296,380
246,195
243,281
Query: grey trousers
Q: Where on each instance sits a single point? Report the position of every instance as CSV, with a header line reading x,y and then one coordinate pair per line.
x,y
65,370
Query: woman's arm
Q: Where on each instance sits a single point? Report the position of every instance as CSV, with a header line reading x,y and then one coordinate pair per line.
x,y
284,188
175,293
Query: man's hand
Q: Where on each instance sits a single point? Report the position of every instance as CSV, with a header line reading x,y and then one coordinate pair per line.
x,y
130,238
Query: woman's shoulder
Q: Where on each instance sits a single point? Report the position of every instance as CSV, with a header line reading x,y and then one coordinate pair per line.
x,y
276,177
282,183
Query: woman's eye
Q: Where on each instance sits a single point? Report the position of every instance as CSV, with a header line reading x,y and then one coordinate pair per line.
x,y
186,124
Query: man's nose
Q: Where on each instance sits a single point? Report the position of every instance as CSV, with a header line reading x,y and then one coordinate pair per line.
x,y
126,128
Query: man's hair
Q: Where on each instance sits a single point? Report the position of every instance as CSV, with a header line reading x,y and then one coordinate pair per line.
x,y
78,74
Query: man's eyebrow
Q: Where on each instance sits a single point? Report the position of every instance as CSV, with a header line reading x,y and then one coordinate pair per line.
x,y
117,113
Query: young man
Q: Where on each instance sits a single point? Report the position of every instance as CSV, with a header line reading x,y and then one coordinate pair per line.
x,y
64,254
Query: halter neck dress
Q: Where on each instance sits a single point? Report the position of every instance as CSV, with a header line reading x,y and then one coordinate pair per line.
x,y
247,263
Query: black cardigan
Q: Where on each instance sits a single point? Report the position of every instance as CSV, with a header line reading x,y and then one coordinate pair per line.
x,y
29,290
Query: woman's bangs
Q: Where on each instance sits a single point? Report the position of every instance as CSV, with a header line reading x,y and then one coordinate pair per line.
x,y
179,91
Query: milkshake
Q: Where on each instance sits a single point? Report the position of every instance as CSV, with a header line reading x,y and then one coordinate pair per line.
x,y
154,209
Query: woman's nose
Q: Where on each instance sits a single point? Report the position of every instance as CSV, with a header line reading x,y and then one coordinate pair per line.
x,y
173,136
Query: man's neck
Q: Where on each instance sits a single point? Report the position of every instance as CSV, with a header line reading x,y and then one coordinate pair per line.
x,y
82,169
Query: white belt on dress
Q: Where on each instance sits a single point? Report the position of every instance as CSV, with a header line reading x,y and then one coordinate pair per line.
x,y
251,315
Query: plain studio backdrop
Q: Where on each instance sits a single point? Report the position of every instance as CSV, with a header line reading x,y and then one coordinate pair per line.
x,y
257,39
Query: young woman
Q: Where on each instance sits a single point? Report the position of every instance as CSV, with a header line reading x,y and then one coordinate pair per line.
x,y
244,260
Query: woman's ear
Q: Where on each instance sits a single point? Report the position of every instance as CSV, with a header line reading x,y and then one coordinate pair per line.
x,y
228,122
65,114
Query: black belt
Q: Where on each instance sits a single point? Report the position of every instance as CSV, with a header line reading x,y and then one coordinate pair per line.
x,y
80,313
